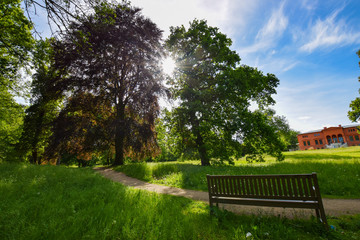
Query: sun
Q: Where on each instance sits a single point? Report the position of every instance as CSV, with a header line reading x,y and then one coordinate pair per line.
x,y
168,65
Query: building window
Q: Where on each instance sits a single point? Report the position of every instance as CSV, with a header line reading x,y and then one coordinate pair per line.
x,y
357,137
304,143
320,141
308,142
316,142
351,138
305,136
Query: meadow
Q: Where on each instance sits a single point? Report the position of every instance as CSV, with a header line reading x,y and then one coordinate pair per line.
x,y
338,170
55,202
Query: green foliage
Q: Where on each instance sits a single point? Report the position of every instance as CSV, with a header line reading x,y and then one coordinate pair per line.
x,y
52,202
15,43
354,113
11,118
214,92
338,171
282,128
165,139
45,105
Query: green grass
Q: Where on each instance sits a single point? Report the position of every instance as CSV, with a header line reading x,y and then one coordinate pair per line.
x,y
52,202
338,171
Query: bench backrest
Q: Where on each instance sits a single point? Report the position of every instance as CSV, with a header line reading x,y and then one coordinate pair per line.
x,y
290,187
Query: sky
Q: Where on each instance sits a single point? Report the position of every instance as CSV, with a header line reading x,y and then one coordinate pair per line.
x,y
310,45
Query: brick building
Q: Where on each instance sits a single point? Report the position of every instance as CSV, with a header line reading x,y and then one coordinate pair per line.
x,y
330,137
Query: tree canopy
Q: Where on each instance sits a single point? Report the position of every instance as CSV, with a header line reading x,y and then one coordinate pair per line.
x,y
215,93
112,58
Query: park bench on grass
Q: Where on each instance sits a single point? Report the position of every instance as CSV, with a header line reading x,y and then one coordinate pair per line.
x,y
290,190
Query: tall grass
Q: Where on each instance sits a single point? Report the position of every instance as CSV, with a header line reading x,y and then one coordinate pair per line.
x,y
338,171
52,202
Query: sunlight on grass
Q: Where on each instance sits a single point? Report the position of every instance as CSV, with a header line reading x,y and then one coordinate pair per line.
x,y
338,170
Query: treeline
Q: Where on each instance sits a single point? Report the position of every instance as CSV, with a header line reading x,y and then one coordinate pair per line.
x,y
96,84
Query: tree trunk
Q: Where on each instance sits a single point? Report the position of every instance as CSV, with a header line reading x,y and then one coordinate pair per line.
x,y
34,155
119,136
38,128
205,161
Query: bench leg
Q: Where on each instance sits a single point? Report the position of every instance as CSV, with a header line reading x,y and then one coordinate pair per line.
x,y
211,208
323,217
317,213
320,214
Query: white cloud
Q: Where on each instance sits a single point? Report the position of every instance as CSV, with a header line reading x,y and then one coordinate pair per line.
x,y
330,32
309,4
270,32
304,118
275,26
228,15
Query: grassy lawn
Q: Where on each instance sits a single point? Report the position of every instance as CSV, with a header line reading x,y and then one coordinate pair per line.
x,y
52,202
338,171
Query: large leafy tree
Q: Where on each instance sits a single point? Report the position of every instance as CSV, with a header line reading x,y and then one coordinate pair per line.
x,y
214,92
354,113
114,55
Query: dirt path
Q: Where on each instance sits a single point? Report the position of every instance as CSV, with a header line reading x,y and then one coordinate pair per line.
x,y
333,207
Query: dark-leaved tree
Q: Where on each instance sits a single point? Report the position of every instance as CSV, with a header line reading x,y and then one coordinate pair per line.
x,y
114,56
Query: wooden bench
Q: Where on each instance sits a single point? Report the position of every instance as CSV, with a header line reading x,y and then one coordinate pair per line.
x,y
291,190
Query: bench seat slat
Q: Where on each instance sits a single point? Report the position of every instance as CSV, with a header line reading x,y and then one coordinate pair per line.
x,y
266,197
269,202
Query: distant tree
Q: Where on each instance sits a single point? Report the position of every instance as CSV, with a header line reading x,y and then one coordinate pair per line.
x,y
287,135
113,57
354,113
215,93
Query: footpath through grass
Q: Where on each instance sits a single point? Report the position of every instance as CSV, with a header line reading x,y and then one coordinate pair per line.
x,y
338,171
51,202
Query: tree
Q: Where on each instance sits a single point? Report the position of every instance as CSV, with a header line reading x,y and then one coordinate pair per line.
x,y
215,92
287,135
45,104
354,113
15,43
114,55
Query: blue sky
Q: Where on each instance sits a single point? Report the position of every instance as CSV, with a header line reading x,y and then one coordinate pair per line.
x,y
310,45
